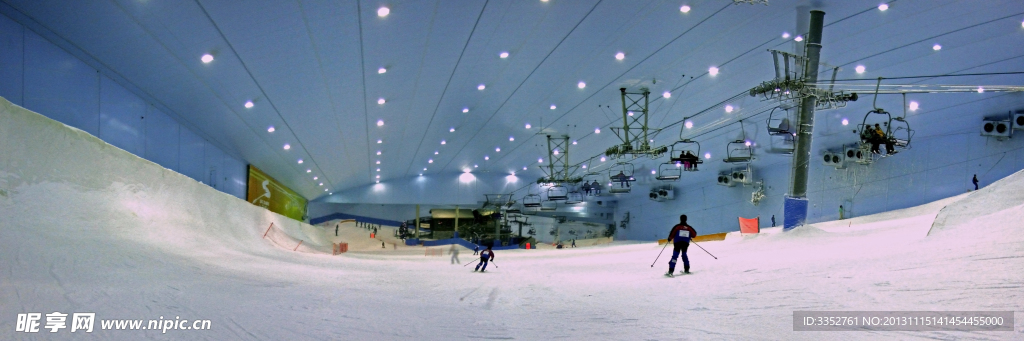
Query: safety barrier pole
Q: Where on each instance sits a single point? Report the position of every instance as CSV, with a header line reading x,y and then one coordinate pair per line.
x,y
297,246
268,230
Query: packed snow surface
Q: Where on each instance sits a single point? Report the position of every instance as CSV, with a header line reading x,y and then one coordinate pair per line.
x,y
86,227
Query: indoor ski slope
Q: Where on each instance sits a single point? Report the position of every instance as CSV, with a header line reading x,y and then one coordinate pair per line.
x,y
86,227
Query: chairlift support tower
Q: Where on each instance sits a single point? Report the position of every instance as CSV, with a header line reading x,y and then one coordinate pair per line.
x,y
635,132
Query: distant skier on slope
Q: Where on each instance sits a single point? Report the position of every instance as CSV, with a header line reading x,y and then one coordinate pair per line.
x,y
485,256
680,237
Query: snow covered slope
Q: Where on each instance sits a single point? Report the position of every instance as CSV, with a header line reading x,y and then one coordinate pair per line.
x,y
86,227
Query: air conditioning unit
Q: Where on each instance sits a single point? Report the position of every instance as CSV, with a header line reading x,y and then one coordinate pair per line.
x,y
661,194
743,176
1018,120
837,160
857,154
725,179
996,128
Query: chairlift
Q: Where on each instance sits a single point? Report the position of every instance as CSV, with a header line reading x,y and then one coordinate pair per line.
x,y
867,135
670,171
780,125
738,151
557,192
622,173
686,152
574,197
531,200
902,134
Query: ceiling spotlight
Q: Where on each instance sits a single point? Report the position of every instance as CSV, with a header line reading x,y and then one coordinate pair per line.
x,y
430,161
981,90
465,110
689,124
300,161
713,71
684,9
747,143
524,168
860,68
584,166
528,126
378,169
380,141
799,38
597,130
380,123
553,107
207,58
378,152
666,94
785,35
381,101
503,54
620,56
707,155
581,85
443,142
383,12
330,193
309,171
474,166
630,113
846,122
510,139
321,184
424,169
574,143
248,104
481,87
382,70
883,7
451,130
654,172
270,129
316,178
602,159
497,149
540,160
487,158
555,152
325,190
936,47
435,152
287,146
378,177
728,108
914,106
378,162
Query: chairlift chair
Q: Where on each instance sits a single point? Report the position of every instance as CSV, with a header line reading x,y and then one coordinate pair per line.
x,y
557,192
670,171
621,173
902,134
687,153
779,126
738,152
531,200
574,197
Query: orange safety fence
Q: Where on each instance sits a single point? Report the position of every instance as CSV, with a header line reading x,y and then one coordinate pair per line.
x,y
749,225
340,248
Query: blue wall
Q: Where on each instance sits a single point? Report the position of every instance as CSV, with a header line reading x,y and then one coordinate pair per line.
x,y
42,77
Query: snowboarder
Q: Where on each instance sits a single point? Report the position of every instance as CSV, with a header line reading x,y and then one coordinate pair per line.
x,y
485,256
476,250
975,181
680,237
455,254
773,220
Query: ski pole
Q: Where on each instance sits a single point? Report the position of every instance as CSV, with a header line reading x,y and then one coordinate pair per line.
x,y
702,248
474,261
495,265
659,254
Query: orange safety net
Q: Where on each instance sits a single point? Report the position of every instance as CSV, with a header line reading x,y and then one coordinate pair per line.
x,y
749,225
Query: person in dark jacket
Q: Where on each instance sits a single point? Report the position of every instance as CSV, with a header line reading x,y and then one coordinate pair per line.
x,y
680,238
485,256
975,181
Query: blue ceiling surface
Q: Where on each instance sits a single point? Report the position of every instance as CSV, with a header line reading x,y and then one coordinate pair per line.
x,y
311,70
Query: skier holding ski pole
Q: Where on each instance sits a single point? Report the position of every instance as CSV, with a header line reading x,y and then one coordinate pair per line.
x,y
485,256
680,237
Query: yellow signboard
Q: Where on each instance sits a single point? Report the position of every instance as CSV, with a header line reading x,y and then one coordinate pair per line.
x,y
266,192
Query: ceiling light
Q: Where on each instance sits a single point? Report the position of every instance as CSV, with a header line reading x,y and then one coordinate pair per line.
x,y
597,130
378,162
474,166
860,68
654,172
378,169
421,174
689,124
378,177
707,155
378,152
309,171
207,58
316,178
620,56
248,104
503,54
574,143
528,126
555,152
883,7
325,190
747,143
381,101
443,142
936,47
630,113
846,122
540,160
424,169
382,70
581,85
713,71
487,158
270,129
584,166
666,94
380,123
383,12
330,193
524,168
799,38
914,106
466,170
728,108
321,184
553,107
451,130
435,152
465,110
380,141
300,161
602,159
497,149
430,161
510,138
785,35
287,146
481,87
981,89
684,9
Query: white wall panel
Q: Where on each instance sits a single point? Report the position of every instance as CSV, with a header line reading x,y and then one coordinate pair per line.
x,y
161,139
121,117
12,64
60,86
